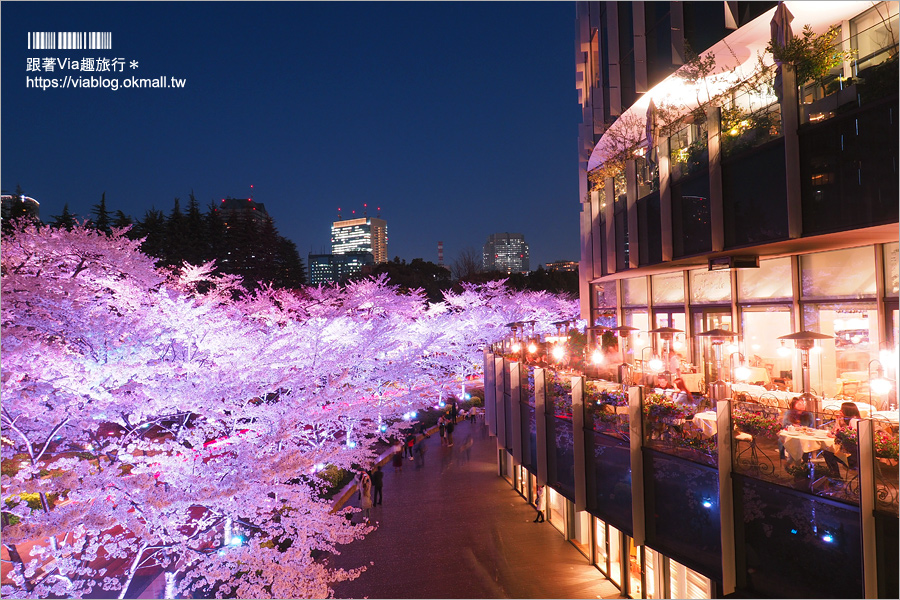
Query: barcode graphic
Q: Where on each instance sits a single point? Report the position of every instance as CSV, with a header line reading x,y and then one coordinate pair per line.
x,y
70,40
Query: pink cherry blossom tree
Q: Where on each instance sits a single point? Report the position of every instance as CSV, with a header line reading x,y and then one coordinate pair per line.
x,y
168,420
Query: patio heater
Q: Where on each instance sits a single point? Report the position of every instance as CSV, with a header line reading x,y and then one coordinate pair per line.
x,y
718,390
666,335
625,370
804,342
594,351
514,345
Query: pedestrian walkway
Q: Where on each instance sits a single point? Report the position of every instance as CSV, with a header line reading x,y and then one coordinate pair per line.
x,y
455,529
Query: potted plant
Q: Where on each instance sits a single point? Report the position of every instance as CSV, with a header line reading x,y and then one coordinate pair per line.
x,y
886,445
659,407
757,423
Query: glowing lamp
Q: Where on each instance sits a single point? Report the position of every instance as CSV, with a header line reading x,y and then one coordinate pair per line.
x,y
558,352
532,348
783,351
516,347
654,364
742,373
597,357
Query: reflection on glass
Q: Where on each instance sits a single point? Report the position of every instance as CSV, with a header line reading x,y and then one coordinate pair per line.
x,y
634,569
615,556
771,281
600,545
840,366
846,273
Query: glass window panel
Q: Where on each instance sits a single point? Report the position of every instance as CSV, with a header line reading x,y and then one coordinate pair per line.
x,y
840,366
640,338
581,537
668,288
762,326
605,294
600,545
771,281
891,283
634,569
652,563
615,556
634,291
710,286
685,583
846,273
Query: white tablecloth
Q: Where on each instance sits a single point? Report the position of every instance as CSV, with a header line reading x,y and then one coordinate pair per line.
x,y
865,409
887,415
757,391
706,423
796,443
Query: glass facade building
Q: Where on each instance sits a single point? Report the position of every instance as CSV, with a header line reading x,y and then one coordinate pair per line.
x,y
722,221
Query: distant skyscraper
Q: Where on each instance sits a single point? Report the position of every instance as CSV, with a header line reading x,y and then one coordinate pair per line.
x,y
563,265
233,207
368,234
332,268
506,252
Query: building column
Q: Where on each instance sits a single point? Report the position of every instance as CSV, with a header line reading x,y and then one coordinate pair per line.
x,y
501,402
726,496
515,407
540,421
866,465
610,225
635,431
634,236
578,434
498,396
490,390
716,201
665,199
790,119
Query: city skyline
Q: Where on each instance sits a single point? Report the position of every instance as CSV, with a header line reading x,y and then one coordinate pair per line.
x,y
404,106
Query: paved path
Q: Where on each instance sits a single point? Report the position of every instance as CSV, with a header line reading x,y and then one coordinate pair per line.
x,y
455,529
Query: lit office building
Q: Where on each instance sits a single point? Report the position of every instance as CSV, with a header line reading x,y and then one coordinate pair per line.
x,y
745,224
367,234
333,268
506,252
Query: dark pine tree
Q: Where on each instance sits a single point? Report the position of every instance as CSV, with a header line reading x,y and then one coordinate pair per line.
x,y
101,220
195,230
290,270
122,220
66,220
215,246
153,229
176,236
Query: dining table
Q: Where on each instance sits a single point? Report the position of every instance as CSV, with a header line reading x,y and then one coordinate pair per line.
x,y
706,423
799,440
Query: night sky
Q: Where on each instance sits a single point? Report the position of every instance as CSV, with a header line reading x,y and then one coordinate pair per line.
x,y
457,119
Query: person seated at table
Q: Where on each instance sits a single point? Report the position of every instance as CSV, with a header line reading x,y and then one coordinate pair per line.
x,y
798,416
848,419
662,383
682,395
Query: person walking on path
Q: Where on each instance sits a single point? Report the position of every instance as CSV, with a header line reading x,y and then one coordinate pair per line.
x,y
398,458
539,504
450,426
408,446
377,485
442,428
365,494
419,451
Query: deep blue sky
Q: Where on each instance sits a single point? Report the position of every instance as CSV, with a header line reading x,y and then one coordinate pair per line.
x,y
458,119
